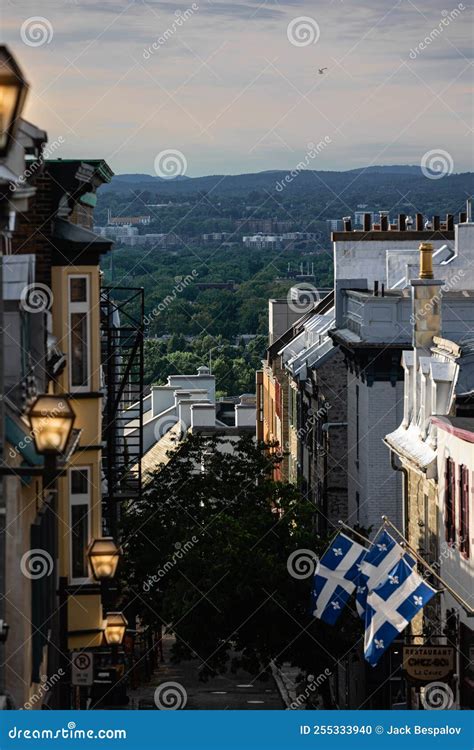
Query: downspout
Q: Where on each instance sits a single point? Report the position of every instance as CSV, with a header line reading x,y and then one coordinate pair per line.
x,y
325,430
404,471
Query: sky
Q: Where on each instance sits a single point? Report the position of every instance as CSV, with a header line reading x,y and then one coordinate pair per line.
x,y
216,87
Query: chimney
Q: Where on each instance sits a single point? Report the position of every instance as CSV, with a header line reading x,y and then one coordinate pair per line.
x,y
402,222
462,217
449,222
426,302
436,223
347,224
469,210
419,222
383,221
367,222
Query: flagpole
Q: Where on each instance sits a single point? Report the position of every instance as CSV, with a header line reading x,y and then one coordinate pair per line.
x,y
453,593
366,541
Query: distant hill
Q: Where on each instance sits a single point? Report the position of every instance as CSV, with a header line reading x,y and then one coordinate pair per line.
x,y
373,179
304,197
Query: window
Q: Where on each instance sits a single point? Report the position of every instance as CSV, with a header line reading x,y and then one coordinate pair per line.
x,y
80,522
464,510
450,501
79,344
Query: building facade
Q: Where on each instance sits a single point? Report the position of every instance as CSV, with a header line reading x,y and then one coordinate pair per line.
x,y
433,453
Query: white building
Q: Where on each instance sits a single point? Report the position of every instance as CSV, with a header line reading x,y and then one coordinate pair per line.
x,y
455,456
187,404
373,270
434,449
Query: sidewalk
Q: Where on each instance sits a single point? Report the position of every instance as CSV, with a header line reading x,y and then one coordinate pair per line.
x,y
228,691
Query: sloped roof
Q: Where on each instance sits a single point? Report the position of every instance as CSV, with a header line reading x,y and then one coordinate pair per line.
x,y
157,455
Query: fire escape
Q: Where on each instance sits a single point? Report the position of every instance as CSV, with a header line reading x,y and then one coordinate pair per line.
x,y
122,313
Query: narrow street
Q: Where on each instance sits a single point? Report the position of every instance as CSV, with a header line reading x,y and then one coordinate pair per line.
x,y
229,691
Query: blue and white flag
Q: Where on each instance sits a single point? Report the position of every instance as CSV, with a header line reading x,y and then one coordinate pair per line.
x,y
390,606
335,576
379,560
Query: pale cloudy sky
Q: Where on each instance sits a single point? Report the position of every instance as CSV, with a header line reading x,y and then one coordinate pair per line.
x,y
236,88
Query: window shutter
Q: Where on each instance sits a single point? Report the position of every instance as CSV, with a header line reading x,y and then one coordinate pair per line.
x,y
464,512
450,501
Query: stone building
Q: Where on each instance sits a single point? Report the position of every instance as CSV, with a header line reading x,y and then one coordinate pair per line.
x,y
432,448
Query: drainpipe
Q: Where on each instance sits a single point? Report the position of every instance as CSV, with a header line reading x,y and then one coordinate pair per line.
x,y
3,241
404,471
325,429
6,225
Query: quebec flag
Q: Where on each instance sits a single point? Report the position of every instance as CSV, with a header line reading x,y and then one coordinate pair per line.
x,y
379,560
390,606
335,576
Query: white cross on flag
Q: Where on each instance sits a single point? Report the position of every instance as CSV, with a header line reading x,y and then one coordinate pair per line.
x,y
334,579
390,606
379,560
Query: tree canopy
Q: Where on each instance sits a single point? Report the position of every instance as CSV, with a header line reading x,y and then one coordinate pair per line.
x,y
210,552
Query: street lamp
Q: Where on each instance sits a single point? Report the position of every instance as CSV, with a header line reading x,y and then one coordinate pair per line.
x,y
13,90
51,419
103,556
115,627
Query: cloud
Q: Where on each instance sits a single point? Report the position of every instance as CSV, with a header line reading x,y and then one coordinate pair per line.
x,y
229,90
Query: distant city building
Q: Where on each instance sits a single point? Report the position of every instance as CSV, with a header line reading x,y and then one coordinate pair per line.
x,y
275,241
265,226
216,236
126,220
263,241
128,235
120,234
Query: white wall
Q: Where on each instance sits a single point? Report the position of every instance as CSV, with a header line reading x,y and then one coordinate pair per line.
x,y
368,259
379,487
455,569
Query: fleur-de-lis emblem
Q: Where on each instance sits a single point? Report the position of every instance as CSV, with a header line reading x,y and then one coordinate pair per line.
x,y
393,580
360,589
418,600
335,605
378,642
337,551
382,547
359,567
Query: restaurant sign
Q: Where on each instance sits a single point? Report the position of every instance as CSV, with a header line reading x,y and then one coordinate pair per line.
x,y
428,663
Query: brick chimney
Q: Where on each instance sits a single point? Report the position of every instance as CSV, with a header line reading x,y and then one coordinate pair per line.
x,y
426,302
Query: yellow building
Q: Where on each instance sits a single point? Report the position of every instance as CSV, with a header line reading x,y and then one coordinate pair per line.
x,y
54,248
76,326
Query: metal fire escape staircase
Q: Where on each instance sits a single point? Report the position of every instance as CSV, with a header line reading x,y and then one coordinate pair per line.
x,y
122,315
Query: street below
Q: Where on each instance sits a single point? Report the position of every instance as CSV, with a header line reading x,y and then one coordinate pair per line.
x,y
228,691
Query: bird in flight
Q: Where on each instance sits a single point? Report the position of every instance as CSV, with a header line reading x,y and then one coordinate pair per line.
x,y
321,71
